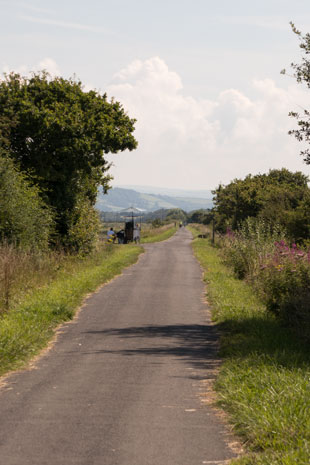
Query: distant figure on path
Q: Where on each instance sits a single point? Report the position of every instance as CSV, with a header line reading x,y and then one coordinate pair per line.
x,y
111,235
121,236
136,234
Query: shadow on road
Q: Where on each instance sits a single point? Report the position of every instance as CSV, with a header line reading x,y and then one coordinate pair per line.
x,y
196,345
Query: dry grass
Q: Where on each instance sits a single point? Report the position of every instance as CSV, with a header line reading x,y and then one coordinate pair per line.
x,y
151,234
21,271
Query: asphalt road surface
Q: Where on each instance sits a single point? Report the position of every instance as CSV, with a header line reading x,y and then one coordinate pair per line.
x,y
125,383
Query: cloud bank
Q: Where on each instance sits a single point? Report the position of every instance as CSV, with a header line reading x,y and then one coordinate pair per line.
x,y
189,143
195,144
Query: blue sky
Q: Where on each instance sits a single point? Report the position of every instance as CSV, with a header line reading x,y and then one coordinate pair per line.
x,y
202,77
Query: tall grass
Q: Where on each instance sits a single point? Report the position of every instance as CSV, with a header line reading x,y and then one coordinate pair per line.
x,y
23,270
247,249
279,272
264,382
151,234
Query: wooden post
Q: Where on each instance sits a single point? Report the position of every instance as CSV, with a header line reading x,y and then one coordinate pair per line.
x,y
213,231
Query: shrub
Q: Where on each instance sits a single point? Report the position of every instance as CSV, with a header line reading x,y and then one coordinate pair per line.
x,y
279,272
157,223
246,250
84,227
284,283
25,220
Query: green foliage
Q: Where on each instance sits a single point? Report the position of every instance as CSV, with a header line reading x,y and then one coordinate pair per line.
x,y
201,216
247,249
84,225
264,379
277,197
25,220
157,223
284,284
280,274
6,124
302,75
59,135
176,214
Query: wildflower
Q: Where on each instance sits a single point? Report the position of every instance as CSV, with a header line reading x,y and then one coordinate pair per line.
x,y
230,233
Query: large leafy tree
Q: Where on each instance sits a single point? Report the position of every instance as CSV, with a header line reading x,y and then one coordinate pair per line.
x,y
275,197
59,135
302,75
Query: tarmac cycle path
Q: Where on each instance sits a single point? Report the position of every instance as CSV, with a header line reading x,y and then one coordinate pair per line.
x,y
125,383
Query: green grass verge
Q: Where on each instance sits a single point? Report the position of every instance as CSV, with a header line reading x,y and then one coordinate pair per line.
x,y
264,382
26,329
157,236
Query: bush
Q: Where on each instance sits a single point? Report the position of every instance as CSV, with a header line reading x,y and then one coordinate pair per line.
x,y
84,227
25,220
246,250
279,272
284,283
157,223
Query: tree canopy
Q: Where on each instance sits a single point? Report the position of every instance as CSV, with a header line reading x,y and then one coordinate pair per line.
x,y
59,135
302,75
276,197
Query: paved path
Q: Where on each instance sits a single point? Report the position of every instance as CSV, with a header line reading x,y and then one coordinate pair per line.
x,y
123,384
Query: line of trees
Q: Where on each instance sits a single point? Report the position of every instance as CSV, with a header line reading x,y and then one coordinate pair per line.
x,y
53,142
279,197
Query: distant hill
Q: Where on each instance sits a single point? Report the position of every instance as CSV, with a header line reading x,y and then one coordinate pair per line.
x,y
120,198
171,192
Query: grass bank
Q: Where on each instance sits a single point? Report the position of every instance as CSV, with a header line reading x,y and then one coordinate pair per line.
x,y
157,234
27,327
264,382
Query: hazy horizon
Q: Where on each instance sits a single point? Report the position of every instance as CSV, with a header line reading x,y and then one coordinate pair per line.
x,y
162,190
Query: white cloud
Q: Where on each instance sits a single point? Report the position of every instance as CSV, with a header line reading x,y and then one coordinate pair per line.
x,y
47,64
190,143
195,144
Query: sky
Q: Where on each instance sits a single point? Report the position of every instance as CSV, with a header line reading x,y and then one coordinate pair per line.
x,y
201,77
